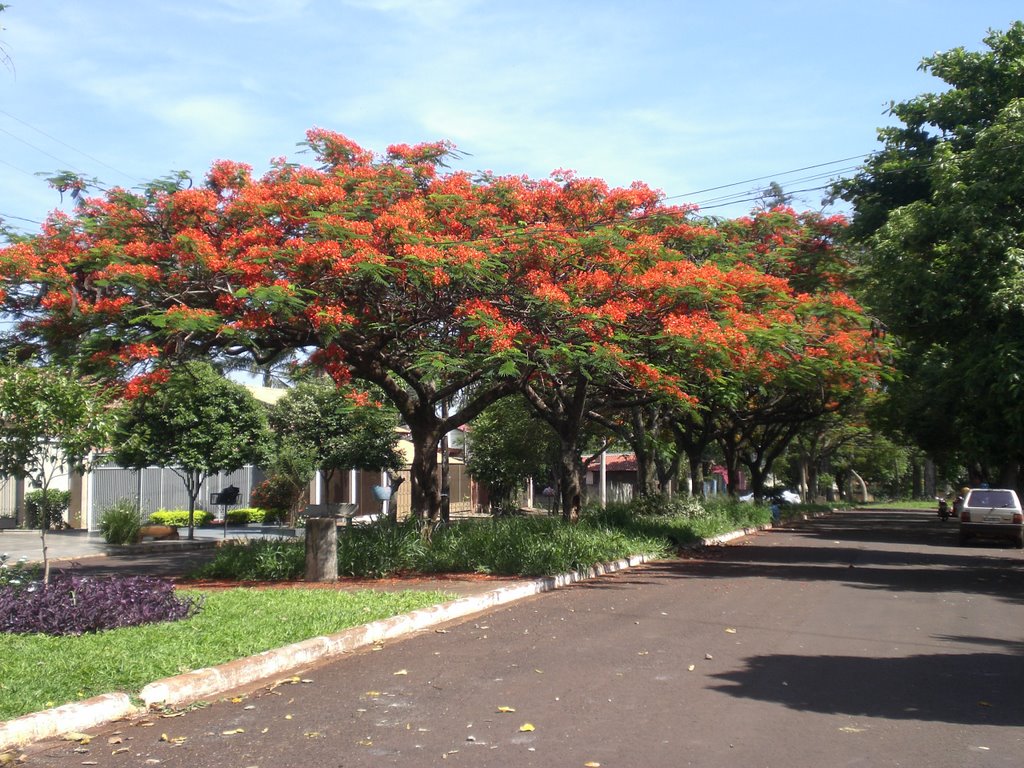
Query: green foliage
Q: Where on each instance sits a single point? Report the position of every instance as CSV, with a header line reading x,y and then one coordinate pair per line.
x,y
289,472
50,423
340,432
197,423
245,515
49,506
939,218
509,546
680,522
20,573
179,517
532,546
376,551
120,523
509,445
257,560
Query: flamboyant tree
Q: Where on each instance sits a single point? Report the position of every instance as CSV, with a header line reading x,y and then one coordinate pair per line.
x,y
437,287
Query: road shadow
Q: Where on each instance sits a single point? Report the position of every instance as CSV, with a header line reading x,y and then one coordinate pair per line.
x,y
899,552
966,689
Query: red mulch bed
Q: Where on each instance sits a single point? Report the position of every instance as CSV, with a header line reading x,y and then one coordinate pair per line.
x,y
411,581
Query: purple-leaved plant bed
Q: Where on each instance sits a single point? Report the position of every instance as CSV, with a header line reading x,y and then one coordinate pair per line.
x,y
73,605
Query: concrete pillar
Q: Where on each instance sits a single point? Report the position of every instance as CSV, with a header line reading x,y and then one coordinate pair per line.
x,y
321,549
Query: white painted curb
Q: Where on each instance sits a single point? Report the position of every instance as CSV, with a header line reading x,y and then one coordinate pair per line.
x,y
213,681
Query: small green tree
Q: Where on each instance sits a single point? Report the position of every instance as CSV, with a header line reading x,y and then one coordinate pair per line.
x,y
507,446
196,423
341,429
50,424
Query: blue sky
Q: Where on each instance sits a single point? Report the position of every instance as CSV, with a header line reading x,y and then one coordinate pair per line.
x,y
683,95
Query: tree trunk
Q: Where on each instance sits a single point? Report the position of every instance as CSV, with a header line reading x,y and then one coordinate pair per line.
x,y
570,481
730,447
426,496
44,522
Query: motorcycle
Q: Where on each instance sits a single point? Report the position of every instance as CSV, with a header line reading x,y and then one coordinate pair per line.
x,y
944,513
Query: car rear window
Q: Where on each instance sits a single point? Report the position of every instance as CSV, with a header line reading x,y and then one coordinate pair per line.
x,y
996,499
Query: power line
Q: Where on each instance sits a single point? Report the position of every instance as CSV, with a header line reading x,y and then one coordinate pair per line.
x,y
41,150
772,176
69,146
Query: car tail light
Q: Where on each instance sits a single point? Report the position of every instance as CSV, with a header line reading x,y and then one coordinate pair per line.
x,y
1018,518
965,516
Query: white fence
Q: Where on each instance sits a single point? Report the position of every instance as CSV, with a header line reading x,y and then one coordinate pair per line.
x,y
154,488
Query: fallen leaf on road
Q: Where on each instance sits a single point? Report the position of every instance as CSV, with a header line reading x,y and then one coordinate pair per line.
x,y
372,693
852,729
120,751
401,672
312,734
232,732
592,764
527,727
115,740
730,630
691,667
81,738
237,699
506,709
984,704
708,656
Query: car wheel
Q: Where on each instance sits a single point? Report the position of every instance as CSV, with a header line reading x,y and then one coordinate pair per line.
x,y
1019,541
963,539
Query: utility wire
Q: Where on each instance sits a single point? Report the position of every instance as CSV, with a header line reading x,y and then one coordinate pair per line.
x,y
69,146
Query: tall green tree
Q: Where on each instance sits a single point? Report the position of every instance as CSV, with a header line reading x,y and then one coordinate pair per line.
x,y
50,424
938,214
194,422
508,445
343,428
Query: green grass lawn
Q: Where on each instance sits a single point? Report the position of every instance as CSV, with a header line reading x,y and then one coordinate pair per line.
x,y
38,671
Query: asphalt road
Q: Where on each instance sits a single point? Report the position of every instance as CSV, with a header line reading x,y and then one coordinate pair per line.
x,y
862,639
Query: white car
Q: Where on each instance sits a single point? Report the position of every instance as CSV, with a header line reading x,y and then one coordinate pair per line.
x,y
992,513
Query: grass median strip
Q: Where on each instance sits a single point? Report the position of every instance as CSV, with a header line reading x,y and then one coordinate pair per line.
x,y
39,671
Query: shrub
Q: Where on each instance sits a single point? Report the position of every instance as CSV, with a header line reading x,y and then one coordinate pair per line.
x,y
18,574
73,605
277,493
119,523
376,551
257,560
247,515
179,517
57,503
